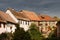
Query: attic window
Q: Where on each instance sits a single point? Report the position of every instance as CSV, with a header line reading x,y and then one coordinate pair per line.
x,y
21,10
42,17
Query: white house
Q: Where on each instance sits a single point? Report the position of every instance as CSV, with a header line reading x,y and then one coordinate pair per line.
x,y
8,24
2,25
24,17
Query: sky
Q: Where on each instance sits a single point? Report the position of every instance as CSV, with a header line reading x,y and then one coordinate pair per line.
x,y
49,7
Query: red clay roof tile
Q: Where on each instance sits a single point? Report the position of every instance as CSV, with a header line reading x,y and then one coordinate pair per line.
x,y
46,18
6,17
18,15
30,15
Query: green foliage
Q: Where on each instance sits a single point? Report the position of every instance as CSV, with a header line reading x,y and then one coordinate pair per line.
x,y
34,32
3,36
56,18
20,34
53,35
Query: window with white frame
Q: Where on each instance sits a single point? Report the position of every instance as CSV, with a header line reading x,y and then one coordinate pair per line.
x,y
26,22
21,22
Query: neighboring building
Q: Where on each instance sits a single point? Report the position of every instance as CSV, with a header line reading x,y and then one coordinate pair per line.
x,y
46,24
24,17
7,24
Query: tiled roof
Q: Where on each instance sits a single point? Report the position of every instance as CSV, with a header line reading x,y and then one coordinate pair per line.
x,y
6,17
30,15
45,18
1,20
17,14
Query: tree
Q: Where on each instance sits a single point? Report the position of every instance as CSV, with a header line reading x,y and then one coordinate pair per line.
x,y
34,32
56,18
53,35
20,34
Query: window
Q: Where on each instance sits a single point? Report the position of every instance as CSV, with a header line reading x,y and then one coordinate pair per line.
x,y
0,25
4,25
11,27
20,22
23,22
46,24
26,22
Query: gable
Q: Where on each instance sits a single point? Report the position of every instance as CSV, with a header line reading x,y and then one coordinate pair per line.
x,y
10,13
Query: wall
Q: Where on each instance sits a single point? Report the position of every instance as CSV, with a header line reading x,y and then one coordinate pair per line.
x,y
10,28
49,24
24,24
2,29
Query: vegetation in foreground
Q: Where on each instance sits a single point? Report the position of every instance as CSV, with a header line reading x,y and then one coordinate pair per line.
x,y
32,34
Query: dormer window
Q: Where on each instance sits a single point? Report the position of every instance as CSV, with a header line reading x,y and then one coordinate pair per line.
x,y
42,17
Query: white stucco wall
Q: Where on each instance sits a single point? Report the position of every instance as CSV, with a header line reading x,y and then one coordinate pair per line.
x,y
8,28
2,29
24,25
9,12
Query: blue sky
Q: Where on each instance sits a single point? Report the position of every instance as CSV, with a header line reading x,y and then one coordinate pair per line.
x,y
50,7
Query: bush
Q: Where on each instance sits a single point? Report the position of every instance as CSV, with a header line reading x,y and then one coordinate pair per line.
x,y
34,32
20,34
3,36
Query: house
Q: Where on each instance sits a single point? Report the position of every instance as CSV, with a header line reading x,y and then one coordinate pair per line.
x,y
7,24
2,25
46,24
24,17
